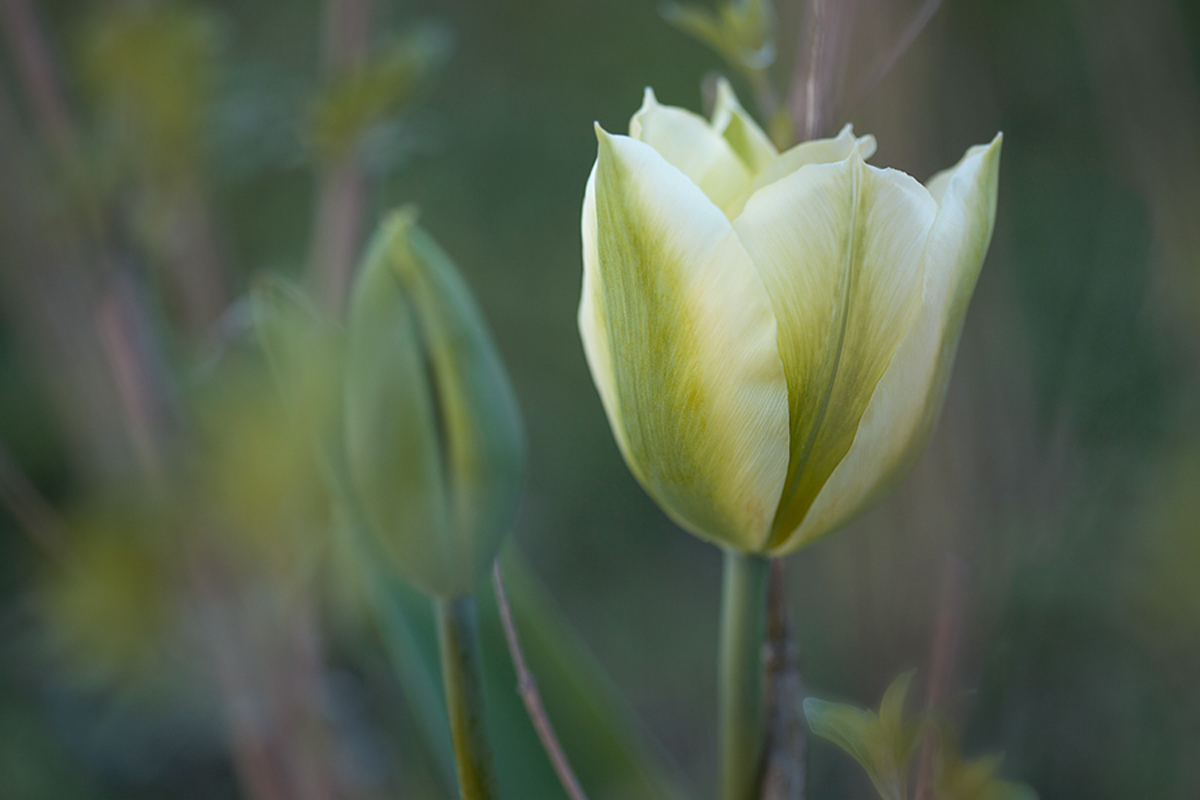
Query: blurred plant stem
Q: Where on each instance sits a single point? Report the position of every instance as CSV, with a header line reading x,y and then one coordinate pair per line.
x,y
37,74
941,664
820,63
33,514
527,688
883,61
740,674
342,183
268,666
458,638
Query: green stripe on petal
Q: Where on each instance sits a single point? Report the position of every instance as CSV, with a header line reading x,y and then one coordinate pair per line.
x,y
901,414
738,128
839,248
690,144
681,340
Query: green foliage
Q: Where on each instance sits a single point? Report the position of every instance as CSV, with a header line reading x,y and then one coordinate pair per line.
x,y
882,743
742,31
110,611
150,70
367,95
956,778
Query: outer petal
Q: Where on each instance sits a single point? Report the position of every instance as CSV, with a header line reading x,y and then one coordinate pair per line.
x,y
738,128
681,341
690,144
898,421
839,248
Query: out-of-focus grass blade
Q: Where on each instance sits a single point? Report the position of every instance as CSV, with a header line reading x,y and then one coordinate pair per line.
x,y
406,626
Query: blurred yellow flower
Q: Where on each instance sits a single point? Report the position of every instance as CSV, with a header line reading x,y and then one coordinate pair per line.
x,y
771,333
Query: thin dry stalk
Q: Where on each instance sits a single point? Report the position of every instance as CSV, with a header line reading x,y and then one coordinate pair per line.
x,y
941,661
785,763
34,515
342,184
38,77
125,337
527,688
883,63
820,63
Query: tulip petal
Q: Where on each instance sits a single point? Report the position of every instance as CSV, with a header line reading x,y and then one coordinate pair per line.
x,y
815,151
681,340
690,144
900,416
839,247
752,146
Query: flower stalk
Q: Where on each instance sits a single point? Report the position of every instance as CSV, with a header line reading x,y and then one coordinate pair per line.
x,y
458,640
740,673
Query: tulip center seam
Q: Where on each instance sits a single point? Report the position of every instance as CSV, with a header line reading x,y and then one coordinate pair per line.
x,y
439,423
777,533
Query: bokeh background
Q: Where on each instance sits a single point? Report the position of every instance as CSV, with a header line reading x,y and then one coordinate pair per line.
x,y
156,158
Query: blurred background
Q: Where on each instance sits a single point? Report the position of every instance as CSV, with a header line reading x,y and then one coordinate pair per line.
x,y
179,619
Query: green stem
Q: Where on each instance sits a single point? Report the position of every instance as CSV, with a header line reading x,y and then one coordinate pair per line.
x,y
458,636
740,674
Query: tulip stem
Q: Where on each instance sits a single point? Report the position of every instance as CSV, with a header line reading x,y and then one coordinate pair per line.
x,y
458,637
740,673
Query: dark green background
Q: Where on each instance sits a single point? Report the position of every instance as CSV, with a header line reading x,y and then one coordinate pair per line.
x,y
1063,472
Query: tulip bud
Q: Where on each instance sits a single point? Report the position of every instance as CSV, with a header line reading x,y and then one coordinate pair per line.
x,y
433,436
771,333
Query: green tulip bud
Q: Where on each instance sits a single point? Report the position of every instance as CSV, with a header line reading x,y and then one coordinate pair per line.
x,y
433,435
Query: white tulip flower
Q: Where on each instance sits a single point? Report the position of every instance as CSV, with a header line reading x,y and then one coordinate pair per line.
x,y
771,334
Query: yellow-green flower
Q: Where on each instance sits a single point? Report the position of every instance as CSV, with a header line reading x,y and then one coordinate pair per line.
x,y
771,334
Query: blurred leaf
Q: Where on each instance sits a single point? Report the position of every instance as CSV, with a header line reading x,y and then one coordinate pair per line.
x,y
150,69
406,625
264,416
110,608
883,743
300,347
959,779
351,104
742,31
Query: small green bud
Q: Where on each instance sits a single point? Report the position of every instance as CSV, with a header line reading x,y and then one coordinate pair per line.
x,y
433,437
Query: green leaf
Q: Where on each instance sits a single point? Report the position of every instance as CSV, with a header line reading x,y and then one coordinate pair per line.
x,y
742,31
883,744
353,103
956,778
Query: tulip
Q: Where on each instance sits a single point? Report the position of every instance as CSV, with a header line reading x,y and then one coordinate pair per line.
x,y
434,454
434,446
771,333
